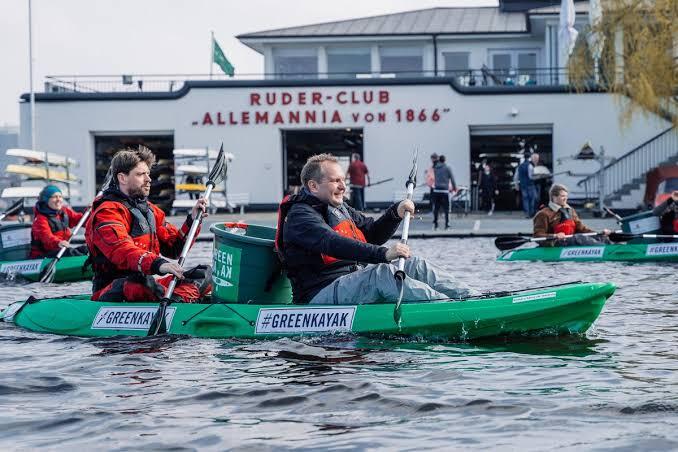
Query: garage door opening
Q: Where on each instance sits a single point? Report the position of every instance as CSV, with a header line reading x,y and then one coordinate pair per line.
x,y
299,145
162,173
504,152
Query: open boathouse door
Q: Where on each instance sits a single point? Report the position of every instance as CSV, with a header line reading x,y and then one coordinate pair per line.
x,y
503,147
299,145
162,145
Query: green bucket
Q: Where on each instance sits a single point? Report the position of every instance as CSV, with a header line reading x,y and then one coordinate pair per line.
x,y
641,223
15,241
245,267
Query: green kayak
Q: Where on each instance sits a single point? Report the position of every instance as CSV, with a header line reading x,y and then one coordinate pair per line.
x,y
67,269
631,252
566,309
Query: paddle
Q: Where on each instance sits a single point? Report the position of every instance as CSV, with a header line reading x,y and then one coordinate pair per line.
x,y
158,324
510,242
400,273
625,237
617,217
14,208
380,182
48,273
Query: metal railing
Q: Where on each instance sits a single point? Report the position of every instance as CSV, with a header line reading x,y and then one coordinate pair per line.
x,y
633,165
128,83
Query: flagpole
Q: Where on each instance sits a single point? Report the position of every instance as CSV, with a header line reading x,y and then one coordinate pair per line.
x,y
211,53
30,71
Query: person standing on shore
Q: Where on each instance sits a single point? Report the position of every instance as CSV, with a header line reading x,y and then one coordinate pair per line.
x,y
488,189
429,176
359,175
524,180
444,185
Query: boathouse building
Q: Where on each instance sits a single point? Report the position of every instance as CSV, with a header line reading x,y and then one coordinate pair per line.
x,y
474,84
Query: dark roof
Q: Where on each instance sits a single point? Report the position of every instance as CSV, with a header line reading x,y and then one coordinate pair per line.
x,y
424,22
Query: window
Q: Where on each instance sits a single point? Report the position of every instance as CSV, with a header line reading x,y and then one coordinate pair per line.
x,y
295,63
514,67
402,61
456,65
345,62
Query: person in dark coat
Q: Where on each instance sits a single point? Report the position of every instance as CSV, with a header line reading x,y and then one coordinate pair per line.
x,y
334,254
487,186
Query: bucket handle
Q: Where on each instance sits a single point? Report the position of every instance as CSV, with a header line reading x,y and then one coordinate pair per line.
x,y
232,224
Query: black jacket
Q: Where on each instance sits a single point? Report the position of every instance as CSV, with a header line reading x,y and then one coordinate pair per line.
x,y
306,235
667,212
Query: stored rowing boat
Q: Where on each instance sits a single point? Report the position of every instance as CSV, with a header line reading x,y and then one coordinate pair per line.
x,y
567,309
634,252
67,269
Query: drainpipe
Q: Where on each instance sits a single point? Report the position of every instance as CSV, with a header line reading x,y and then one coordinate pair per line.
x,y
435,55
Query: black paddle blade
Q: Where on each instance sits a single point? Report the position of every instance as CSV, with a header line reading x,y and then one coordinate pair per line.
x,y
107,180
397,311
14,208
158,324
508,243
47,274
621,237
218,171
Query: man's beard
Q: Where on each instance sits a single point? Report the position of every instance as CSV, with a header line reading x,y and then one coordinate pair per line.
x,y
137,193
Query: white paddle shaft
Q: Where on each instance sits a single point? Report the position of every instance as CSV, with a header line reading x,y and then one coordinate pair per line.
x,y
77,227
189,239
406,226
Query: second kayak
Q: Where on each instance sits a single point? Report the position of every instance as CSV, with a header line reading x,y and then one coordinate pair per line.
x,y
631,252
68,269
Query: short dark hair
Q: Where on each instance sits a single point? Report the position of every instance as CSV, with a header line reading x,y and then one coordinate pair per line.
x,y
125,160
312,169
441,159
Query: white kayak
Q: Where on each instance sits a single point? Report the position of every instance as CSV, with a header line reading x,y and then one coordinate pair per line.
x,y
39,157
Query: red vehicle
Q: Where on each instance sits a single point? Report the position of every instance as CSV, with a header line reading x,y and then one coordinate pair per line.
x,y
661,182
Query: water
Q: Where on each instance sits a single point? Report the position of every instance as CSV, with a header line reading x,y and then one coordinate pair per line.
x,y
615,388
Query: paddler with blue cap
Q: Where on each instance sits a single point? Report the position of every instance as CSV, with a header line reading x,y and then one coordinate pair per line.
x,y
52,224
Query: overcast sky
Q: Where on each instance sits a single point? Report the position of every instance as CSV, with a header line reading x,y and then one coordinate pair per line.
x,y
112,37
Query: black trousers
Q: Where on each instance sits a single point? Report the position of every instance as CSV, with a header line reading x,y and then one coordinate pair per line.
x,y
441,201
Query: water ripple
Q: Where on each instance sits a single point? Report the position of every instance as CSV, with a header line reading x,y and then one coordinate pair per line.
x,y
614,388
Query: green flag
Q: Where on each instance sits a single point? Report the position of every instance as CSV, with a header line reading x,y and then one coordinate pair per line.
x,y
221,60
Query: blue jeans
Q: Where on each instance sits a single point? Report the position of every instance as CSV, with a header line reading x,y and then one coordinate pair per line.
x,y
529,196
358,198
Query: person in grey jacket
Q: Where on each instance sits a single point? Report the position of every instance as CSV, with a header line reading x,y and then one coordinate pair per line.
x,y
444,185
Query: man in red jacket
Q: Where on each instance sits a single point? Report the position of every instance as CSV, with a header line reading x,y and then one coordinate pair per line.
x,y
51,225
128,236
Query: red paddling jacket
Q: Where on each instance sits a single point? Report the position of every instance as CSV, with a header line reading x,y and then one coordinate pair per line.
x,y
51,227
128,237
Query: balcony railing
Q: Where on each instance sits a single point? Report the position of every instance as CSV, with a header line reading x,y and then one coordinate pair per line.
x,y
130,83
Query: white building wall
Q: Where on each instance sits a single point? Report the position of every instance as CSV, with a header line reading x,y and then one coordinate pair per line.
x,y
69,128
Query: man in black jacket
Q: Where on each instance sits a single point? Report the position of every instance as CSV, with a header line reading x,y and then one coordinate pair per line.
x,y
333,254
668,215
